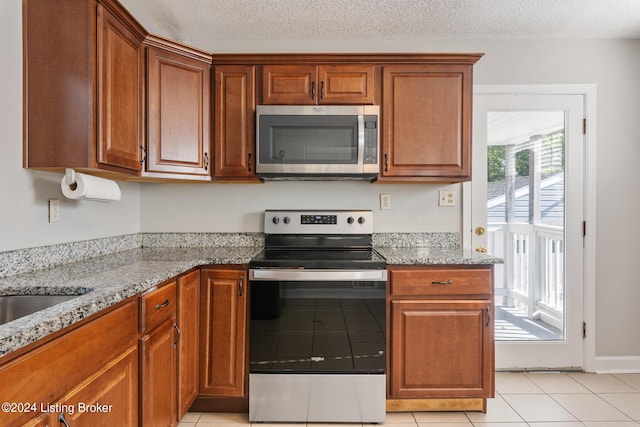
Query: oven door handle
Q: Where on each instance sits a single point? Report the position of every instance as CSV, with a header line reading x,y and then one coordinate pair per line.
x,y
282,274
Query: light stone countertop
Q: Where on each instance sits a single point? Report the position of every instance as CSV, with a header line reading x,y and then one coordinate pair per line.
x,y
106,280
435,256
101,283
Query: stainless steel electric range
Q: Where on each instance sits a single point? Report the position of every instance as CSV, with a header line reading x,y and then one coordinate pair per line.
x,y
318,323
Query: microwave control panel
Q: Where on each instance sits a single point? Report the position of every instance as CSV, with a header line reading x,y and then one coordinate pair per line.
x,y
370,139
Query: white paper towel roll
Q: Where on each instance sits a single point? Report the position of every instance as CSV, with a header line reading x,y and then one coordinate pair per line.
x,y
91,188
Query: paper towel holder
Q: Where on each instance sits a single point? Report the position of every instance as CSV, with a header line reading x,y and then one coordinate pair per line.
x,y
70,178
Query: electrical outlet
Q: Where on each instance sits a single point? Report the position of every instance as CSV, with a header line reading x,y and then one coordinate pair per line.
x,y
447,198
385,201
54,210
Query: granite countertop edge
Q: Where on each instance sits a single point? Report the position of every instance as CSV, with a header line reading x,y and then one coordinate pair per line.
x,y
101,283
107,280
417,255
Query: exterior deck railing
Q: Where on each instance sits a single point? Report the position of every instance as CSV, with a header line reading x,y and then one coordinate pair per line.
x,y
532,278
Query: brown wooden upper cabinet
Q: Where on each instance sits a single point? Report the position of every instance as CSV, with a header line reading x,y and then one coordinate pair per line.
x,y
178,111
426,122
234,122
323,84
83,76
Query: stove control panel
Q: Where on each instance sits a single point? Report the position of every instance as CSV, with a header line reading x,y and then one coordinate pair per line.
x,y
318,219
318,222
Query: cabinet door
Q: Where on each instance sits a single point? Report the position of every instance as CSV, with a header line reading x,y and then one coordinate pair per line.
x,y
223,333
107,398
426,115
120,94
189,323
346,84
44,419
178,114
441,348
234,121
55,367
158,376
289,84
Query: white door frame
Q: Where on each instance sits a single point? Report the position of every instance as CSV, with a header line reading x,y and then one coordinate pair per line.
x,y
589,255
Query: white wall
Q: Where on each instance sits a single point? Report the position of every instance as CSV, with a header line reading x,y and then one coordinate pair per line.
x,y
613,65
239,207
24,194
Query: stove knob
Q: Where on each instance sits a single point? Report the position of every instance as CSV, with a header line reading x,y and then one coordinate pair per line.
x,y
275,220
286,220
361,220
350,220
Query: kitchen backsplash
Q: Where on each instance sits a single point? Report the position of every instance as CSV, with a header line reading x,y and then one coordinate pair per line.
x,y
185,240
433,240
38,258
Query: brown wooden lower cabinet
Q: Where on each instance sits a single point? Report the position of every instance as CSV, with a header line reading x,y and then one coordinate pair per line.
x,y
223,332
158,351
441,345
158,376
103,399
93,363
188,344
441,336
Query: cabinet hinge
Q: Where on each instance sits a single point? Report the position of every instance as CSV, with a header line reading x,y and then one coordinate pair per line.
x,y
584,330
584,126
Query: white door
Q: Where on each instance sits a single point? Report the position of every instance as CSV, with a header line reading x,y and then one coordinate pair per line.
x,y
526,206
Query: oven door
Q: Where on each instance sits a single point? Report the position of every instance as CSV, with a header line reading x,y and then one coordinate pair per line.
x,y
317,345
332,322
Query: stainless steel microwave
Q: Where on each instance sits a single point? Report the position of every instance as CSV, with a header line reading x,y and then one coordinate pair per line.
x,y
317,142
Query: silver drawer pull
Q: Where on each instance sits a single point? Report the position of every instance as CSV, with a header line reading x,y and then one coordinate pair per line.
x,y
164,304
61,419
448,282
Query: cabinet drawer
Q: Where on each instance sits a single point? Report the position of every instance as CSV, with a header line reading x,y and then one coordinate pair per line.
x,y
441,282
157,305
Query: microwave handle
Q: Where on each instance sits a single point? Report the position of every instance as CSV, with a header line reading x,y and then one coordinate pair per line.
x,y
361,139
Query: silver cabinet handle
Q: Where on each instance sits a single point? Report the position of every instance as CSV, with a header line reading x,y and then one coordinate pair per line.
x,y
206,161
241,286
448,282
179,332
164,304
62,420
144,155
322,89
488,309
313,90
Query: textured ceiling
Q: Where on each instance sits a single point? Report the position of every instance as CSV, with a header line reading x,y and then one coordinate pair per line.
x,y
203,22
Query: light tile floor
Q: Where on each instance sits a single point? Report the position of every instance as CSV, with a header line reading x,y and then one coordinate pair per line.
x,y
537,399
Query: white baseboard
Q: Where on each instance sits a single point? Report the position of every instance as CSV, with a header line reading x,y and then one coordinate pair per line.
x,y
616,365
